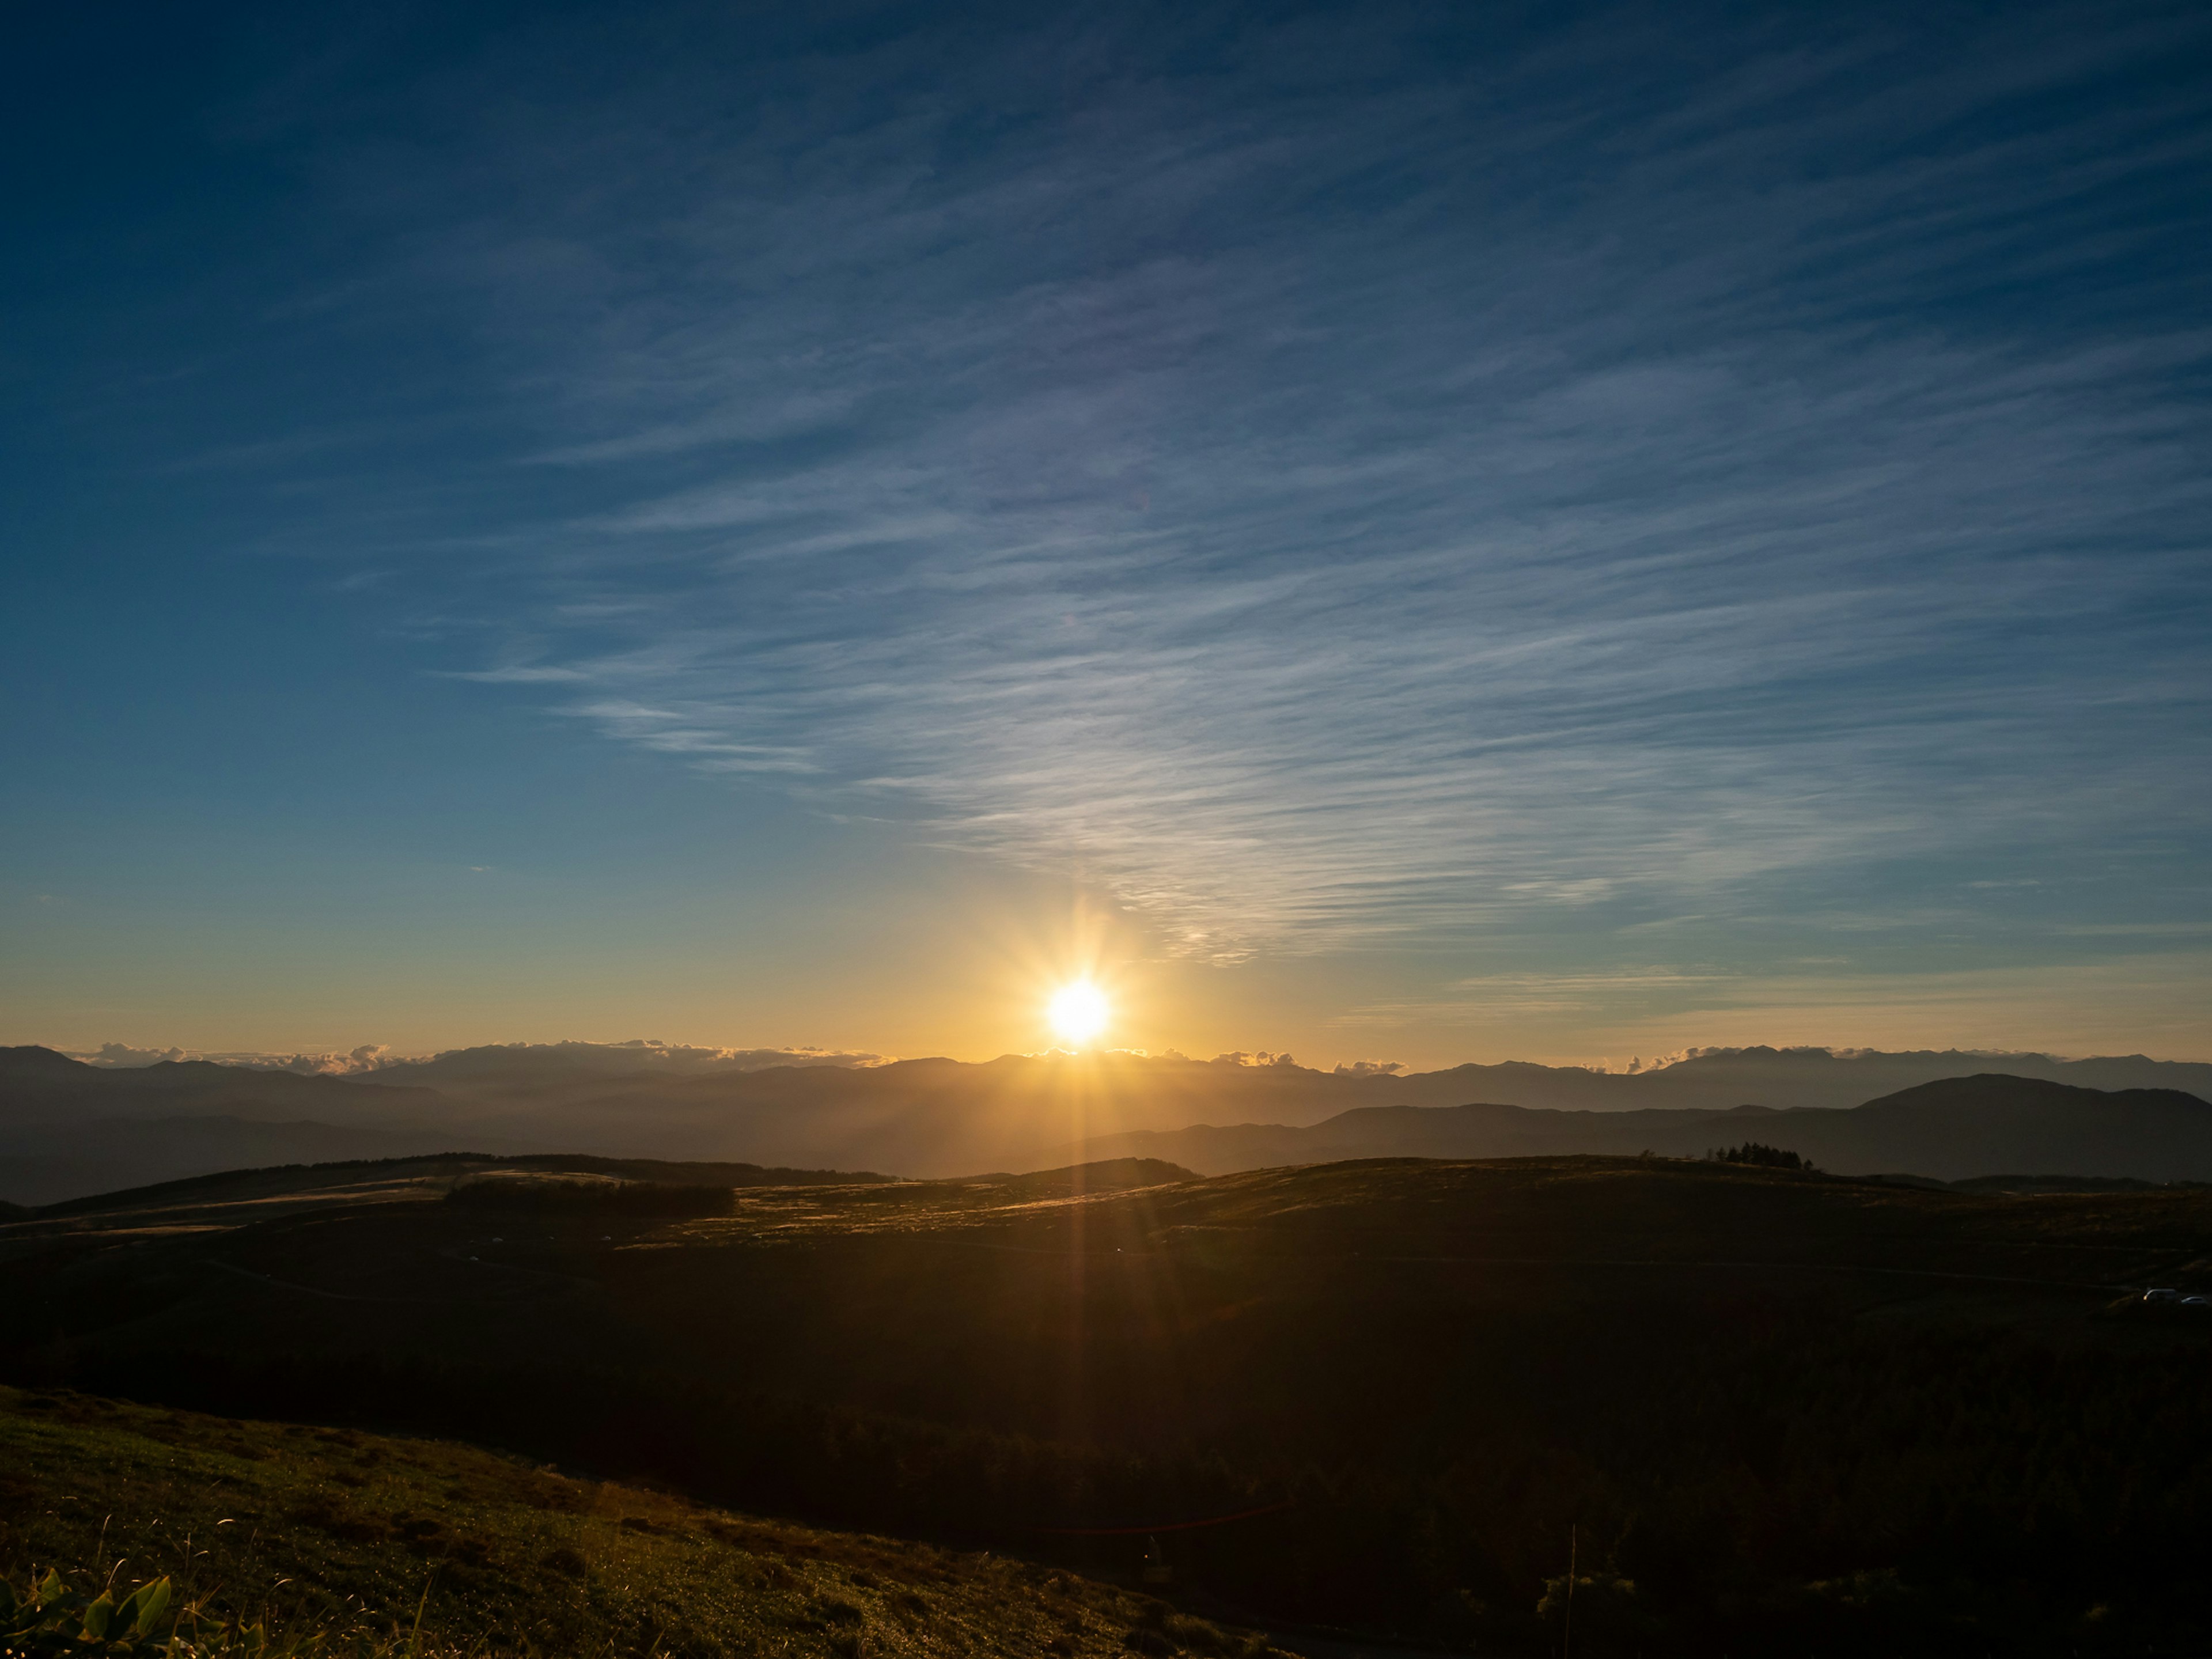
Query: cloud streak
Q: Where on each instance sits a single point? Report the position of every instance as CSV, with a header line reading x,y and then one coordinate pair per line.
x,y
1327,494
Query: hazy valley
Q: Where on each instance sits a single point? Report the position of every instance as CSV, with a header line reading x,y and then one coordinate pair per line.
x,y
68,1129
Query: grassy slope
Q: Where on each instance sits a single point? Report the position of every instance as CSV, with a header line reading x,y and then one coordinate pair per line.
x,y
1570,1207
237,1197
353,1526
359,1176
1744,1384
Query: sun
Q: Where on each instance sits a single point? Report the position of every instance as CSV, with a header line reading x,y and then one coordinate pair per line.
x,y
1078,1012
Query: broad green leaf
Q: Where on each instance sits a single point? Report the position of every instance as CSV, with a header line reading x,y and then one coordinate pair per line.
x,y
153,1600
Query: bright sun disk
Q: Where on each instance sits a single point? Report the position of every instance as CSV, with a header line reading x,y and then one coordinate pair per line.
x,y
1078,1012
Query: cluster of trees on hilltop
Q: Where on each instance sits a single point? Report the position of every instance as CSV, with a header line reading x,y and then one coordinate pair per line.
x,y
1761,1156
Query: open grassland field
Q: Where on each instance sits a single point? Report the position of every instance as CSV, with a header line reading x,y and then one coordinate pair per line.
x,y
334,1531
1779,1411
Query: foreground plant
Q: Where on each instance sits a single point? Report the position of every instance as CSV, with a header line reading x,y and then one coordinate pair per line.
x,y
47,1617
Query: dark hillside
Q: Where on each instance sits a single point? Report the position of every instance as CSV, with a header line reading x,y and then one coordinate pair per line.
x,y
354,1535
689,1173
2049,1183
1814,1079
116,1154
360,1179
1953,1129
29,1066
1106,1176
1750,1390
67,1128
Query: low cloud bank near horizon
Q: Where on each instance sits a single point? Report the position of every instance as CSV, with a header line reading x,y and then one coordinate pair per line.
x,y
680,1059
674,1058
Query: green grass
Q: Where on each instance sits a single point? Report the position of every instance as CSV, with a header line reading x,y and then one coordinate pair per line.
x,y
352,1536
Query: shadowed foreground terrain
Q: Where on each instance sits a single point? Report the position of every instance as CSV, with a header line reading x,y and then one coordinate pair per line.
x,y
1779,1409
331,1530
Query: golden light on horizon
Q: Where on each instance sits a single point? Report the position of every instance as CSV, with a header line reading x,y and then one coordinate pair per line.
x,y
1077,1012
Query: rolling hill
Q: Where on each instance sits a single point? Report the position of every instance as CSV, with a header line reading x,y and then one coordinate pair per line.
x,y
68,1129
405,1546
1785,1411
1951,1130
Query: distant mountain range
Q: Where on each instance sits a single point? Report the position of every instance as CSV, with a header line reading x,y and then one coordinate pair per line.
x,y
67,1128
1951,1129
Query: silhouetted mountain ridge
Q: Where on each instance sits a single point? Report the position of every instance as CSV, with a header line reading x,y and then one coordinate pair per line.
x,y
38,1086
1951,1129
929,1117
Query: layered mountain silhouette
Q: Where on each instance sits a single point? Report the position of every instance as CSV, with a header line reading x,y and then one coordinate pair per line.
x,y
67,1128
1950,1130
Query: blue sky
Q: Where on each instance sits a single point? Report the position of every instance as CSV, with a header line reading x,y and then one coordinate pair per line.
x,y
1429,533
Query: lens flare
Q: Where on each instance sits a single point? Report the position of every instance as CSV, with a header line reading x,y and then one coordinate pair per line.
x,y
1078,1012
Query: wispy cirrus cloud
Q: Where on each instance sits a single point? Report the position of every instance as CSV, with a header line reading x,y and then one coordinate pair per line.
x,y
1322,490
2146,1001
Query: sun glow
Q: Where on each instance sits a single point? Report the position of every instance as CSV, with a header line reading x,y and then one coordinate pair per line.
x,y
1078,1012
